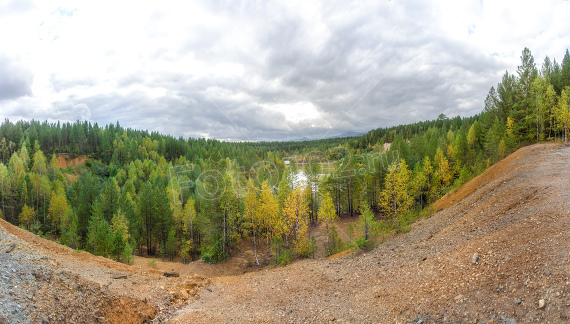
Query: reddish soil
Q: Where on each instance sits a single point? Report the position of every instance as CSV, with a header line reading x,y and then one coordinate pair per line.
x,y
65,161
514,216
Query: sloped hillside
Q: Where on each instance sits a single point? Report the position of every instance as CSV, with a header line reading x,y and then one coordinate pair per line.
x,y
497,251
514,217
44,282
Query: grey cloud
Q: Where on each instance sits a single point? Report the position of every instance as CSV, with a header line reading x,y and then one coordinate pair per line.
x,y
375,64
68,111
15,79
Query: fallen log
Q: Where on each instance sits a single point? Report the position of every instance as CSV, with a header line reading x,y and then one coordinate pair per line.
x,y
172,274
120,277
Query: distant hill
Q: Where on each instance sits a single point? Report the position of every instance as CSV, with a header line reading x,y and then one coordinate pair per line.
x,y
342,135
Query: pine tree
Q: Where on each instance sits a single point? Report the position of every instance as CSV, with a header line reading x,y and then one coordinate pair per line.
x,y
171,244
565,70
5,185
110,199
100,238
527,72
70,230
189,219
368,225
146,215
251,215
88,191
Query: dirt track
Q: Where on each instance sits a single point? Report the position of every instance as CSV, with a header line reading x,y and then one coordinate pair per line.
x,y
514,216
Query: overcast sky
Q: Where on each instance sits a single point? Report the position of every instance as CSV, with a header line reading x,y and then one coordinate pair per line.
x,y
265,70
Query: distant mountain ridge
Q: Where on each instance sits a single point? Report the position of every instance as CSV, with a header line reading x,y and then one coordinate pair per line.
x,y
344,134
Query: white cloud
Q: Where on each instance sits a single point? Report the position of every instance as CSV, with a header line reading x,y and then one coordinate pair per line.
x,y
266,70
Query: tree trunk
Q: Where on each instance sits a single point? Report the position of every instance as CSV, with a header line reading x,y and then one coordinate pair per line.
x,y
267,249
255,248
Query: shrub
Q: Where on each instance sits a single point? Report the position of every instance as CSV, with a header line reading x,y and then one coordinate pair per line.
x,y
283,256
152,263
364,244
335,243
215,251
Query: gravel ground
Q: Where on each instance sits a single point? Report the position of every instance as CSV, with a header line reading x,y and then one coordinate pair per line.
x,y
44,282
16,273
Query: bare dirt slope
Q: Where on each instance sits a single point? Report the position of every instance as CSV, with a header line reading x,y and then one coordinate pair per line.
x,y
44,282
515,216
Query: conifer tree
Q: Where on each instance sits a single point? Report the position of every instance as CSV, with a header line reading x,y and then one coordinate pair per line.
x,y
251,214
328,216
171,244
367,224
70,230
99,235
395,199
110,199
189,219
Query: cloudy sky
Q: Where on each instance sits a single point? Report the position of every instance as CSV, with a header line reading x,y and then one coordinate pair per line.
x,y
264,70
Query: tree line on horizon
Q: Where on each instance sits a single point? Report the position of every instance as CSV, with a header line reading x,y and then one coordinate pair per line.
x,y
157,195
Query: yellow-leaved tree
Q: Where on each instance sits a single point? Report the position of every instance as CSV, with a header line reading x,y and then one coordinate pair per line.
x,y
27,216
295,215
563,112
189,219
396,199
328,215
268,211
441,166
58,207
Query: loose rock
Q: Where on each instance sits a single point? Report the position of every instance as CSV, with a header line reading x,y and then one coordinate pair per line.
x,y
475,258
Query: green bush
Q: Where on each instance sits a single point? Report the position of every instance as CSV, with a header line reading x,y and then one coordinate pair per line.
x,y
152,263
284,257
215,251
364,244
335,243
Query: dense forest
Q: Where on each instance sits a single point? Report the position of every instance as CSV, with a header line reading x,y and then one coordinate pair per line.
x,y
156,195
